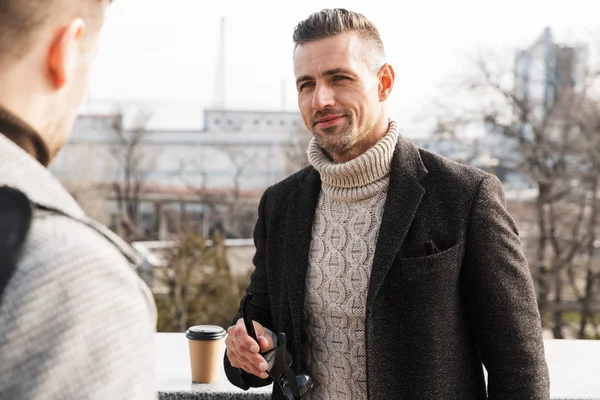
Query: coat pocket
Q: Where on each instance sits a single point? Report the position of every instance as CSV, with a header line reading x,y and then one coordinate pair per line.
x,y
444,261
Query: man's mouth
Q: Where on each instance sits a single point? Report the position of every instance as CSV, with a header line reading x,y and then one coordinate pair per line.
x,y
328,120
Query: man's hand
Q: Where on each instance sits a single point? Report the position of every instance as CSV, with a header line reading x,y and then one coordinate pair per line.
x,y
242,350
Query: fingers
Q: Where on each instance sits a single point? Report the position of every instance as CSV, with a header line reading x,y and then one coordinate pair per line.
x,y
265,342
243,351
250,366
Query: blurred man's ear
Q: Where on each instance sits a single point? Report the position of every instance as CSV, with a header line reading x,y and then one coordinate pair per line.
x,y
386,78
65,52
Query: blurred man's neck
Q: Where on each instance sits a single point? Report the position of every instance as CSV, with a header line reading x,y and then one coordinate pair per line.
x,y
23,112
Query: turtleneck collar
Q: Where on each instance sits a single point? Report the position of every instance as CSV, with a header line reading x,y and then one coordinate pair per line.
x,y
24,136
361,177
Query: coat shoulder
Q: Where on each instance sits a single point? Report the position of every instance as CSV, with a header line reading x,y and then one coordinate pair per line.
x,y
293,180
58,247
287,186
448,172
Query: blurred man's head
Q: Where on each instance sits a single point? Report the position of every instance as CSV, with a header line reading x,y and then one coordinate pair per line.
x,y
46,52
343,81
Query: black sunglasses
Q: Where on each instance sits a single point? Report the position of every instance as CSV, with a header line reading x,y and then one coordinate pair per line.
x,y
279,361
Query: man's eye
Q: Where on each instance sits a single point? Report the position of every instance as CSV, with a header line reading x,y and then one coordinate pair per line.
x,y
339,77
306,84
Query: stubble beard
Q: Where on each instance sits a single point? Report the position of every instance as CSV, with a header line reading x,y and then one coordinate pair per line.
x,y
335,143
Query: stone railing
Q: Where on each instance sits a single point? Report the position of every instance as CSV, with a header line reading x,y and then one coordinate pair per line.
x,y
574,372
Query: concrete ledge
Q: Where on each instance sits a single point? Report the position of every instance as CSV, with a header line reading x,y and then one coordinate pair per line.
x,y
574,372
175,380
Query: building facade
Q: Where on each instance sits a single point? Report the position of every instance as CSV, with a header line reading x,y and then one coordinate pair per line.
x,y
114,160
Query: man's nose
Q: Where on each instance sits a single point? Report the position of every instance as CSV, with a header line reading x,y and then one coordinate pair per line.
x,y
323,97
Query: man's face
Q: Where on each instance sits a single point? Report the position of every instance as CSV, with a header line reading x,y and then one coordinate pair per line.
x,y
338,92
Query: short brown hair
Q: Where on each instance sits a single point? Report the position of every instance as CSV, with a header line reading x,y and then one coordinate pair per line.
x,y
21,20
332,22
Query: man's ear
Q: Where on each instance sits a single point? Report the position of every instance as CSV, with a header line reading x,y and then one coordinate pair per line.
x,y
386,78
64,52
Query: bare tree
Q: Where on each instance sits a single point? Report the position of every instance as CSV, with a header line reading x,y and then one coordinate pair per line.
x,y
556,140
235,214
584,274
133,164
296,150
227,209
81,162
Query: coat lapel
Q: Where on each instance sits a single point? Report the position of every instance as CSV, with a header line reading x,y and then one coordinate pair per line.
x,y
300,216
403,199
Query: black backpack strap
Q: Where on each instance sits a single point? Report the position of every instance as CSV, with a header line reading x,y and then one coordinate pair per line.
x,y
16,213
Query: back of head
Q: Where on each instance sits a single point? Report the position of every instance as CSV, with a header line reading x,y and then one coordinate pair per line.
x,y
24,22
332,22
46,52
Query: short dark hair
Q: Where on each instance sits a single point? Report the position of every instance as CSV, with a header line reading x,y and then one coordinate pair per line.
x,y
21,20
332,22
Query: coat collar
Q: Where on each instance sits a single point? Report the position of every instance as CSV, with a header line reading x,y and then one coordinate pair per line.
x,y
24,135
20,170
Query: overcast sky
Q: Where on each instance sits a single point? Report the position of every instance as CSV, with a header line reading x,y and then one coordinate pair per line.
x,y
166,50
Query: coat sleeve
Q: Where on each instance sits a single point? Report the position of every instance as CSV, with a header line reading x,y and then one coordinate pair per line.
x,y
259,307
501,300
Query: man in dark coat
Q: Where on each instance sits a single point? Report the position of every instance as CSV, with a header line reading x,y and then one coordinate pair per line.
x,y
395,273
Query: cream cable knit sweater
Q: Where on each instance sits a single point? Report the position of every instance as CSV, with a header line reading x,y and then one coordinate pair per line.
x,y
344,235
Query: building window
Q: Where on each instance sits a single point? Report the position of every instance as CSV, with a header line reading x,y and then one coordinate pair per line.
x,y
269,122
282,123
217,121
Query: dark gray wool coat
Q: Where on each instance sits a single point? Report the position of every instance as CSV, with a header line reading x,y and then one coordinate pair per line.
x,y
432,321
